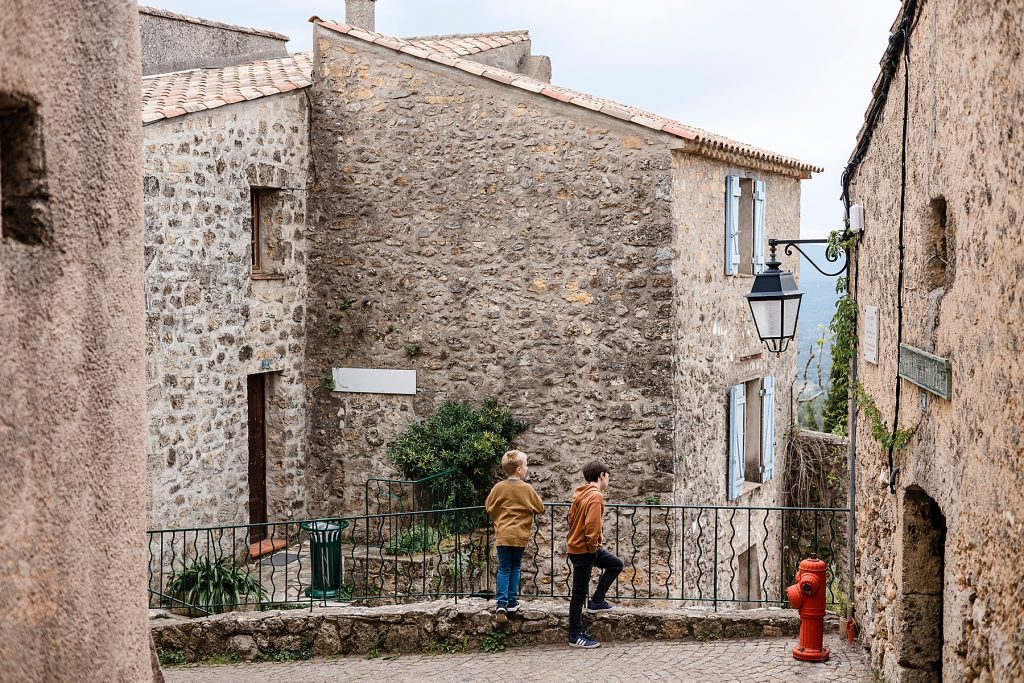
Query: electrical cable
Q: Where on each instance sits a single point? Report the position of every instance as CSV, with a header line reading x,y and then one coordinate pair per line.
x,y
899,44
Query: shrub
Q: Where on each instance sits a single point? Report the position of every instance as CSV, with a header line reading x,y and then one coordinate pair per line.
x,y
214,586
417,539
461,437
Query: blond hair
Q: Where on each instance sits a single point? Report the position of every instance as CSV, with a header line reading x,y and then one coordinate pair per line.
x,y
511,461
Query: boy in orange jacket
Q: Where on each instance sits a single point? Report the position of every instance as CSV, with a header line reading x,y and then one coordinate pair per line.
x,y
585,552
511,504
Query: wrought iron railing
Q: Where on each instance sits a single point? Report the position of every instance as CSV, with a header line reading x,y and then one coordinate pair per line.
x,y
385,496
696,555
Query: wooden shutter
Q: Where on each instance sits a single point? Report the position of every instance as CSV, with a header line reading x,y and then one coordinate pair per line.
x,y
759,234
732,224
767,428
737,406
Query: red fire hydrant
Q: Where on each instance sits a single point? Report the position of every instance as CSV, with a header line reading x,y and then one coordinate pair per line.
x,y
808,596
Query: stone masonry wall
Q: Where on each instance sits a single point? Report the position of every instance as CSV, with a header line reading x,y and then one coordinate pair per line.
x,y
966,86
211,322
523,246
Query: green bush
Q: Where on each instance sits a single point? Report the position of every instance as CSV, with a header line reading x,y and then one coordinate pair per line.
x,y
461,437
214,586
417,539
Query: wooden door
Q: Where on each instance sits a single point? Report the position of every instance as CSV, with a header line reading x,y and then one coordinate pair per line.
x,y
257,457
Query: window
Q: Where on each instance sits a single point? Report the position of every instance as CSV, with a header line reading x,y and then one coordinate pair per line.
x,y
938,236
744,225
751,435
255,242
24,199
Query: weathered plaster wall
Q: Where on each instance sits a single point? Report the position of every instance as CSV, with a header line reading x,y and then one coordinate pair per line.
x,y
966,86
171,42
211,322
525,246
72,409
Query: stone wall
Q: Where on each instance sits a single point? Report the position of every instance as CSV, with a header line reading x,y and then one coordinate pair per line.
x,y
565,262
72,412
516,241
963,302
174,42
441,626
212,321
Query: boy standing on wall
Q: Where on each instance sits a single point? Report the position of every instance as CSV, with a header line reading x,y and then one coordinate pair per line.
x,y
585,552
511,504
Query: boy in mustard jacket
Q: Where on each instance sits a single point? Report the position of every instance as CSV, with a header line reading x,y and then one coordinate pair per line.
x,y
511,504
585,552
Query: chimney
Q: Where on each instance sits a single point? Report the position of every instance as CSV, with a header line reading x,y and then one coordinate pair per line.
x,y
360,13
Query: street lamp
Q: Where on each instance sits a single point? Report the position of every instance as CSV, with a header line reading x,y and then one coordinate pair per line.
x,y
775,298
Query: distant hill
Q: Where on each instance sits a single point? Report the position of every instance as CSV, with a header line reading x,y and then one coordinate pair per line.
x,y
817,308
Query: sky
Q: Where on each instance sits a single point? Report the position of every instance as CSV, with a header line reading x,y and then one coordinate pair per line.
x,y
791,76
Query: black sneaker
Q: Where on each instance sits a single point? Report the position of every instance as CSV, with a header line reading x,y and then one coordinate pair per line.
x,y
602,606
501,615
584,641
513,607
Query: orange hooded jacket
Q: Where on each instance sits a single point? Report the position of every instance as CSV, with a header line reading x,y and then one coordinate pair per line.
x,y
585,514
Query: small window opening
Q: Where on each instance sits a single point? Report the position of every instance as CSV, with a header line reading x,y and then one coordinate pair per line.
x,y
24,200
746,225
938,239
752,432
256,241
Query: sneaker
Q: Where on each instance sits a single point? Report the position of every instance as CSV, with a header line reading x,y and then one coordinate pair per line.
x,y
602,606
513,606
501,615
584,641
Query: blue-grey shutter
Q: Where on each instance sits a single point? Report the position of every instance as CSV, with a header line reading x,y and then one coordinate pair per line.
x,y
732,224
737,405
759,234
767,427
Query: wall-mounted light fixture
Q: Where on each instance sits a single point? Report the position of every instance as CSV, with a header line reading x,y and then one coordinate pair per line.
x,y
775,298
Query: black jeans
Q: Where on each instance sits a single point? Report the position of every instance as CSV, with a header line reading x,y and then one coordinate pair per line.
x,y
582,566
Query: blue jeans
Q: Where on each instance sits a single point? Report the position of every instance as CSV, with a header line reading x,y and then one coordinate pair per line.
x,y
510,560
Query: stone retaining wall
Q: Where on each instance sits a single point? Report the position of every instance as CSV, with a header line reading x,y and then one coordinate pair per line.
x,y
442,626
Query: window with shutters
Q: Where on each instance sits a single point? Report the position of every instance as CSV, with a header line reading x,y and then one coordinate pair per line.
x,y
744,225
751,435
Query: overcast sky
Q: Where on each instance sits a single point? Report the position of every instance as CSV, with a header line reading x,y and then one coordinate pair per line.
x,y
792,76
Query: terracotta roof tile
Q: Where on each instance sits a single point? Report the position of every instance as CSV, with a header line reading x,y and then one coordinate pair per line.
x,y
184,92
463,45
425,47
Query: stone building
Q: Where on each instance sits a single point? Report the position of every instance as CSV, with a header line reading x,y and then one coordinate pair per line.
x,y
72,407
569,255
225,214
938,585
442,208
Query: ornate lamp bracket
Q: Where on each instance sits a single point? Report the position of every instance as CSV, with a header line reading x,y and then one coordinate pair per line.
x,y
795,244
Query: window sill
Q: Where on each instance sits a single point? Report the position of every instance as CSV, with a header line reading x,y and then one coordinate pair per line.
x,y
749,487
268,276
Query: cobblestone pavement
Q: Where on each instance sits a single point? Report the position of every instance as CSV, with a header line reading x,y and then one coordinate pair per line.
x,y
765,659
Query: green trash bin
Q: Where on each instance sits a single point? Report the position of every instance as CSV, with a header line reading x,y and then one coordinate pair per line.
x,y
324,557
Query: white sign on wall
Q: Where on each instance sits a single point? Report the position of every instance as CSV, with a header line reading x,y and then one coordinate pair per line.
x,y
373,381
871,334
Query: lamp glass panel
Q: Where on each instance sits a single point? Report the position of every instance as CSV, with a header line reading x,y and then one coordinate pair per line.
x,y
791,309
768,316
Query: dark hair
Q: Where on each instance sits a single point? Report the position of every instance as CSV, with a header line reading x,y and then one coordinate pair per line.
x,y
593,470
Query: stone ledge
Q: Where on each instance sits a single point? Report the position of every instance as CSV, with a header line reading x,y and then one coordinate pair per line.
x,y
435,626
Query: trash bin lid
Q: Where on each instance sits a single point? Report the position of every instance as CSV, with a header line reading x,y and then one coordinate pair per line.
x,y
324,525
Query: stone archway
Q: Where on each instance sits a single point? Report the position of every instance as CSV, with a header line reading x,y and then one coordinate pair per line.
x,y
919,609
